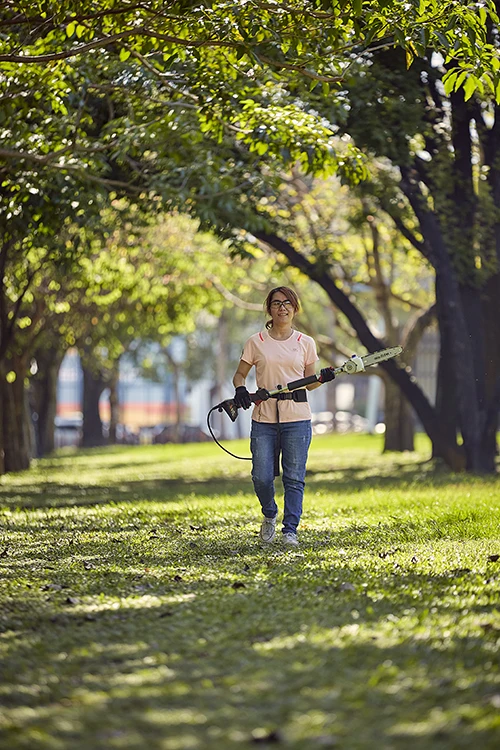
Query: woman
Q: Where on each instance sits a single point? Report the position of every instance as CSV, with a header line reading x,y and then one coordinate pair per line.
x,y
280,355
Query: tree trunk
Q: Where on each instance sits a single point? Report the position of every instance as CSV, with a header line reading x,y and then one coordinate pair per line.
x,y
175,371
114,403
491,314
44,390
93,386
221,369
452,316
2,441
16,439
491,299
446,398
399,427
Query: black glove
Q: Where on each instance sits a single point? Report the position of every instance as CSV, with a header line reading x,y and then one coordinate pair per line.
x,y
242,398
262,394
326,374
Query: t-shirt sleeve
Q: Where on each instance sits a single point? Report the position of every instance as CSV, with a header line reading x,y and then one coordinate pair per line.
x,y
311,352
248,354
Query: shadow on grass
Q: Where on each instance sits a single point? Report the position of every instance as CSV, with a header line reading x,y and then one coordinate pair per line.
x,y
345,481
179,631
212,663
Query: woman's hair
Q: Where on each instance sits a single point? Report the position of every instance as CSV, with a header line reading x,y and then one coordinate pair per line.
x,y
289,294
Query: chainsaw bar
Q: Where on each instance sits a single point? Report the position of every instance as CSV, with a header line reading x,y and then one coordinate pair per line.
x,y
359,364
381,356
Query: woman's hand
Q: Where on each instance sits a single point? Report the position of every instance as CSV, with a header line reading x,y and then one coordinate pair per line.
x,y
262,394
327,374
242,398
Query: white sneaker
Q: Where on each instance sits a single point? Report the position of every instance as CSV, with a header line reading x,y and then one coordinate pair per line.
x,y
290,539
268,530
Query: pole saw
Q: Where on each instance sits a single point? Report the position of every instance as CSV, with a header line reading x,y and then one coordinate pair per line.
x,y
352,366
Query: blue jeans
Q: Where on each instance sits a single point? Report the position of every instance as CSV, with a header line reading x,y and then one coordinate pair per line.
x,y
295,438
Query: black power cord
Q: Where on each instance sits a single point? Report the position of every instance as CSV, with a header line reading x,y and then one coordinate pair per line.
x,y
219,407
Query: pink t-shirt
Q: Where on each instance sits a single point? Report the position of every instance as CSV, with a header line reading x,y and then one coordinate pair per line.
x,y
278,363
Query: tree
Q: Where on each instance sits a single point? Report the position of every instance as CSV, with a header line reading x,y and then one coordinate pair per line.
x,y
168,87
145,284
446,149
312,37
25,260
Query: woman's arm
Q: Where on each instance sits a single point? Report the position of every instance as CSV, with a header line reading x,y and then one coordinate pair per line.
x,y
311,370
241,373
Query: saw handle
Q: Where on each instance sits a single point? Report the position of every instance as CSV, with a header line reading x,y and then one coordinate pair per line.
x,y
232,410
299,383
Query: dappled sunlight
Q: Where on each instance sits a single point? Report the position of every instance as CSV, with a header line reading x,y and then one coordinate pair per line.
x,y
152,614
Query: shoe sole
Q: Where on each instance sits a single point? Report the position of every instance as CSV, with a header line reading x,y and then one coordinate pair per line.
x,y
267,541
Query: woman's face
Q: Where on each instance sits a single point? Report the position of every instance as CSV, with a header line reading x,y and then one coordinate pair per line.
x,y
281,309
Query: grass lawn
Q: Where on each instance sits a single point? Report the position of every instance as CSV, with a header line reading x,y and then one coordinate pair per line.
x,y
138,609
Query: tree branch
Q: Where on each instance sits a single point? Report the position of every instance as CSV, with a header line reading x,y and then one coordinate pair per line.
x,y
415,329
84,176
232,298
107,41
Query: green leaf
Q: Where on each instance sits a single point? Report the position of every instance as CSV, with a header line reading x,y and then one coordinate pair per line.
x,y
400,37
460,79
470,86
70,28
449,81
443,40
124,54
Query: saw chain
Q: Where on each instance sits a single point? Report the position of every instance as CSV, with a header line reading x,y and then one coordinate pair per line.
x,y
359,364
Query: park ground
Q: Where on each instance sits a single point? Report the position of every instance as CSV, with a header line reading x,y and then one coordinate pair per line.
x,y
138,609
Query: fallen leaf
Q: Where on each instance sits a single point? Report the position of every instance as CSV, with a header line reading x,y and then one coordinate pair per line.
x,y
389,552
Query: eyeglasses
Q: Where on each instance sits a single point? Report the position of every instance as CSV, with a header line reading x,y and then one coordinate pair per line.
x,y
277,303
